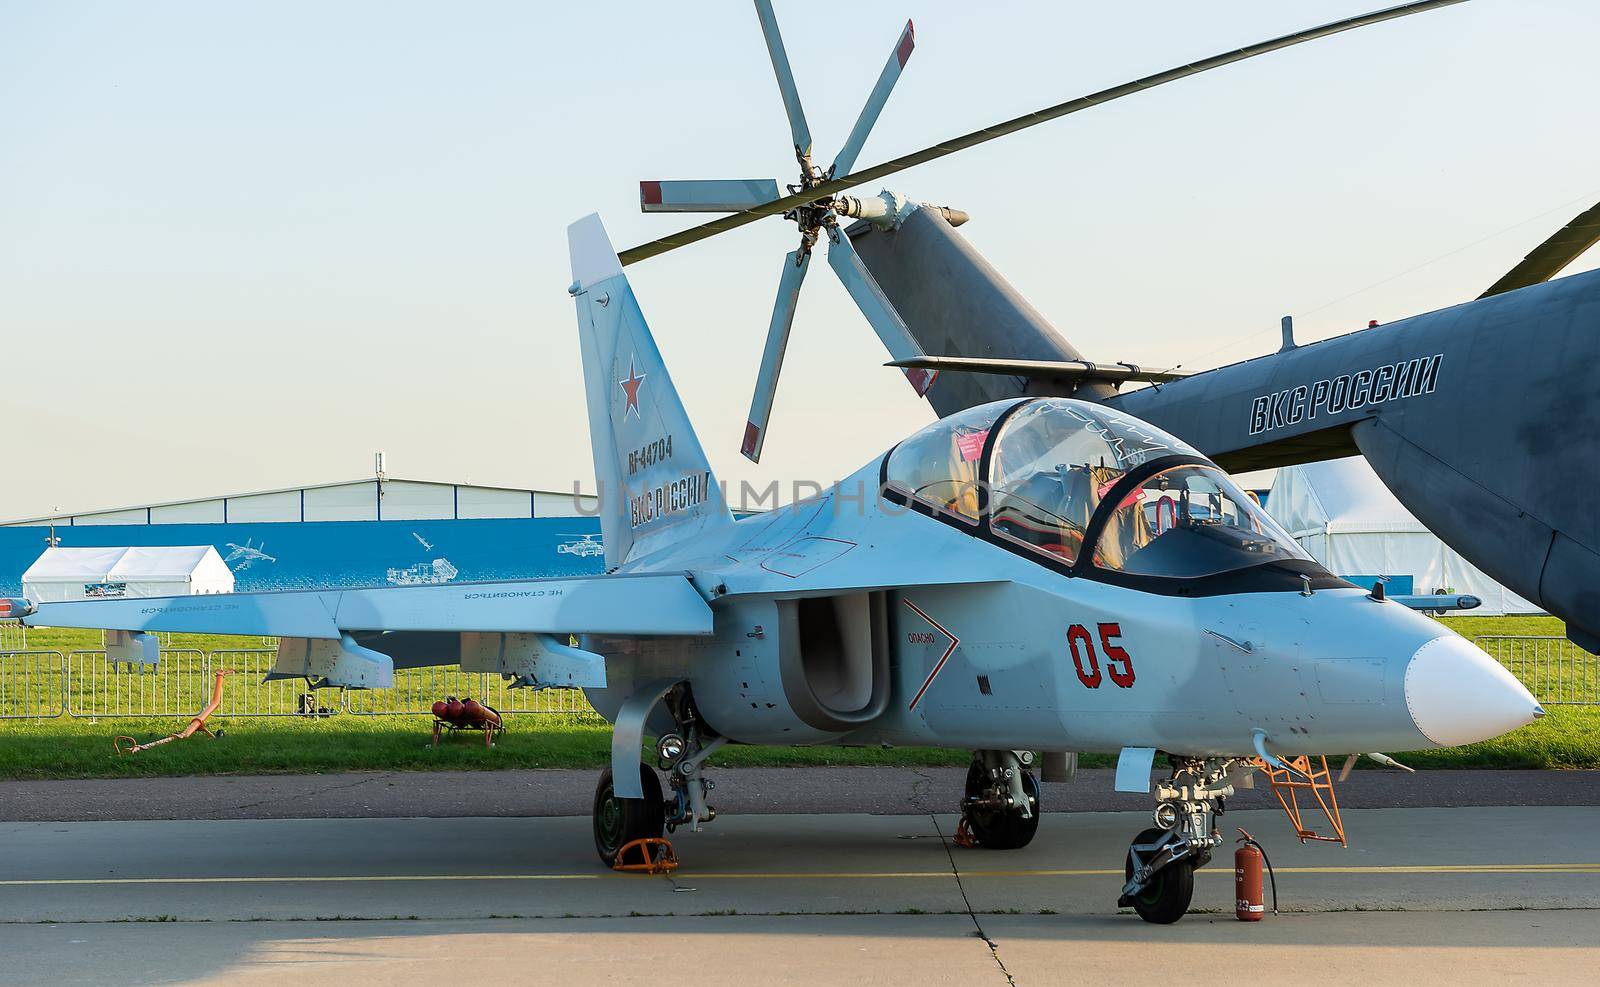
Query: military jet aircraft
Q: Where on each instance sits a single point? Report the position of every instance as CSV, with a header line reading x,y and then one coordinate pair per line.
x,y
1030,575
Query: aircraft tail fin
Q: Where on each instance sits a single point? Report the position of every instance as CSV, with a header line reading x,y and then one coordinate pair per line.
x,y
655,483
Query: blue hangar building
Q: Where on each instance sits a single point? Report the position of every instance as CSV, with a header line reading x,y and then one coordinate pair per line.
x,y
369,532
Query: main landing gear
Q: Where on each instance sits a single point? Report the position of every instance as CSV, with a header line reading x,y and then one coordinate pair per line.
x,y
1159,873
619,822
1000,810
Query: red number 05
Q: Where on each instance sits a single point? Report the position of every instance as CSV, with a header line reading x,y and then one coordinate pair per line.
x,y
1119,664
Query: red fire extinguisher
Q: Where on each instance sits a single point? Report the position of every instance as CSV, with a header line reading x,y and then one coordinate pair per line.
x,y
1247,890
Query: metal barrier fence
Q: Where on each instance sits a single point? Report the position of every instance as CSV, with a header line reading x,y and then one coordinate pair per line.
x,y
177,685
248,693
32,685
1554,669
13,635
44,684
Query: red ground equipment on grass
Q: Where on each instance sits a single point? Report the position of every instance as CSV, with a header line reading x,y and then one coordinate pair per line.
x,y
127,745
454,714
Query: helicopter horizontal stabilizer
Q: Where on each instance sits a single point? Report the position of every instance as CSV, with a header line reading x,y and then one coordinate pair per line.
x,y
1082,370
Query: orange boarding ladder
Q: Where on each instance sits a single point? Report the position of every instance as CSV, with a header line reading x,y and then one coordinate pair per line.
x,y
1292,775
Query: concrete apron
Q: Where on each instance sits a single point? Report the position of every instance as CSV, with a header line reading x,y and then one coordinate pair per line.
x,y
1412,859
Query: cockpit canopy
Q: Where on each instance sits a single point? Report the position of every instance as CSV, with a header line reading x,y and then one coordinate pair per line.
x,y
1041,483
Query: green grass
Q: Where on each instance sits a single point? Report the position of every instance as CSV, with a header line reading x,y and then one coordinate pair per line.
x,y
81,748
1471,627
69,747
1567,737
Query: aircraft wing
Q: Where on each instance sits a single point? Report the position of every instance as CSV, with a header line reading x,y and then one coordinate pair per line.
x,y
518,628
646,604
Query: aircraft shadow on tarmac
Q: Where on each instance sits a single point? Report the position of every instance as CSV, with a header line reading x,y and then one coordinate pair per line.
x,y
809,949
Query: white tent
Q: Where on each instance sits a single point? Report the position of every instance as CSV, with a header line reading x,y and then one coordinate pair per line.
x,y
102,573
1342,514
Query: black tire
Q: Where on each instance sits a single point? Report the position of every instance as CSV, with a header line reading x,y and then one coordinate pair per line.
x,y
1167,898
998,830
618,822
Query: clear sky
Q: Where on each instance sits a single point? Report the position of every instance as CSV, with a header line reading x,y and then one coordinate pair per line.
x,y
245,245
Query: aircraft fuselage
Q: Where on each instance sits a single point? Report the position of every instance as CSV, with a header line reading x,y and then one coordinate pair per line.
x,y
809,597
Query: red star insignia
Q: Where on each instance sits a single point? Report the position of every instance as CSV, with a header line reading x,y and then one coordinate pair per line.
x,y
630,388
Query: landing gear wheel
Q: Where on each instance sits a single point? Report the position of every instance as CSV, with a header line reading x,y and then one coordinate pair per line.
x,y
618,821
997,829
1167,897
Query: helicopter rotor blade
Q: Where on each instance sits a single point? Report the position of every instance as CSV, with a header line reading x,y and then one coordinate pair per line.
x,y
795,264
714,195
1549,258
780,67
834,186
880,312
875,101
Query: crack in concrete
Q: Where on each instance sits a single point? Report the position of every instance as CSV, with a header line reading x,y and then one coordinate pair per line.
x,y
916,798
994,947
315,792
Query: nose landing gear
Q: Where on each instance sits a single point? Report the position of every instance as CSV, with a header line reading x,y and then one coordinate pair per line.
x,y
1168,886
1159,872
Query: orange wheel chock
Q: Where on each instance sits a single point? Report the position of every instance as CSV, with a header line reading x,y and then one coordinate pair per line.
x,y
964,837
655,856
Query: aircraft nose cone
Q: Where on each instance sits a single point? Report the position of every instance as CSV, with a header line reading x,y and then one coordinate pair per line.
x,y
1459,695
